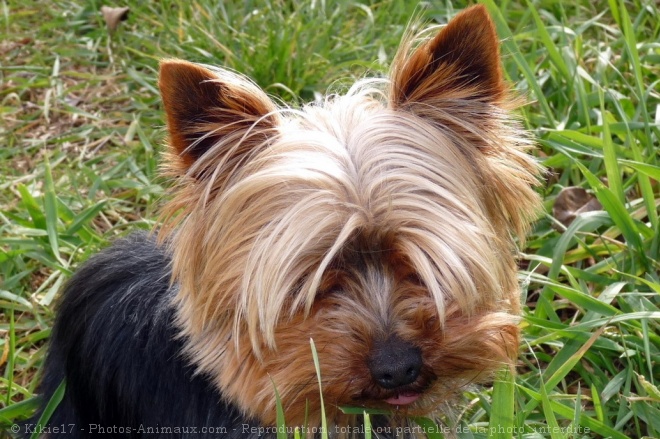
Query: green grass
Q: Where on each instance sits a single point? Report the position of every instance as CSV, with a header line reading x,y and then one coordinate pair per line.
x,y
81,128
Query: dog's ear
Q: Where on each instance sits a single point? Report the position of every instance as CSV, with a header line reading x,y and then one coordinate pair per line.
x,y
209,109
454,80
462,62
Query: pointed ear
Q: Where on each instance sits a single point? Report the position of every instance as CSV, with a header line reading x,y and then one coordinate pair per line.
x,y
209,109
461,62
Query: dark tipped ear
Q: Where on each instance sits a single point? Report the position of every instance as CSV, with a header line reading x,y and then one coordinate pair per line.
x,y
205,107
461,62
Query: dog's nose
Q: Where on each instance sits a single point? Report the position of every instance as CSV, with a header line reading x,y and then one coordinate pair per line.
x,y
394,362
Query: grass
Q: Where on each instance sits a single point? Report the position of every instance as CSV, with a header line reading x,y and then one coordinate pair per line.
x,y
82,124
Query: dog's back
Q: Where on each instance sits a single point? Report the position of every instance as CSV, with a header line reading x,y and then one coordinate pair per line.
x,y
114,336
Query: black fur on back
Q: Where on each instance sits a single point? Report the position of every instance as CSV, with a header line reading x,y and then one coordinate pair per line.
x,y
115,342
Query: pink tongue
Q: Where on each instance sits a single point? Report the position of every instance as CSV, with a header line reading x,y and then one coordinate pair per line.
x,y
403,399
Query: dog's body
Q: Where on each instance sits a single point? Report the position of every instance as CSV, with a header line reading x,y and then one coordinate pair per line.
x,y
379,224
121,322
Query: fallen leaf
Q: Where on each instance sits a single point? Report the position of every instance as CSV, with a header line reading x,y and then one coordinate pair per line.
x,y
113,16
571,202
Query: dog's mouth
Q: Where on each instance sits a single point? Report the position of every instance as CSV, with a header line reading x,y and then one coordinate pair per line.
x,y
410,397
403,398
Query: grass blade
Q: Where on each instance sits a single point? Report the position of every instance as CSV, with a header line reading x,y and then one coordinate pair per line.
x,y
501,422
324,422
617,212
611,163
280,423
54,401
546,39
50,208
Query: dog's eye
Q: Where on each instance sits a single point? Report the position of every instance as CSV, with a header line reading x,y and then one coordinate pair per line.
x,y
330,284
415,279
332,290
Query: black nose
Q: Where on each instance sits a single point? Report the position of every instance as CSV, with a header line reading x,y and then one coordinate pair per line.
x,y
394,363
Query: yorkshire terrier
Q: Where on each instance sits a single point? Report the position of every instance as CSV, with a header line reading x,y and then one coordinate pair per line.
x,y
381,224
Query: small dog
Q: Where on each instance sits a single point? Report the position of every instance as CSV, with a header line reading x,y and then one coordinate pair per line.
x,y
381,224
